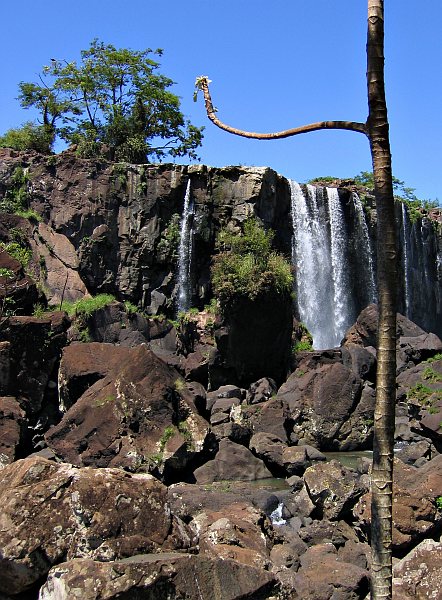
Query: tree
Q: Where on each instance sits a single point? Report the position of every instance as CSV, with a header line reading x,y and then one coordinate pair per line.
x,y
28,137
376,128
113,100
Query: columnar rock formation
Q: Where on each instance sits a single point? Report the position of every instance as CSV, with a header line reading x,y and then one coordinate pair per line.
x,y
115,228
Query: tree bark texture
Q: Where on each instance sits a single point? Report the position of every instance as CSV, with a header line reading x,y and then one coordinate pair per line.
x,y
382,473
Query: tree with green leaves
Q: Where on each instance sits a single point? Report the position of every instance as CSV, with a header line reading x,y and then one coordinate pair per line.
x,y
112,102
376,129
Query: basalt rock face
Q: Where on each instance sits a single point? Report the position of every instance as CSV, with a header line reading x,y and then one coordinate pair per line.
x,y
114,228
116,218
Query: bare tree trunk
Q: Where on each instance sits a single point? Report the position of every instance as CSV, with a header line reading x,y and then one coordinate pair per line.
x,y
382,473
377,131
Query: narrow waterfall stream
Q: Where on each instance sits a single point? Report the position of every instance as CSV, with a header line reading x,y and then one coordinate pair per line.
x,y
319,254
184,295
342,300
366,247
406,258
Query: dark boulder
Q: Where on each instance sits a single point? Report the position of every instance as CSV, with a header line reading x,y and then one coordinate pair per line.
x,y
232,462
139,416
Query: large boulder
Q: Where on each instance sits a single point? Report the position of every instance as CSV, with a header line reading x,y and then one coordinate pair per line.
x,y
53,512
364,330
418,576
333,489
239,531
155,576
232,462
324,576
415,514
139,416
319,402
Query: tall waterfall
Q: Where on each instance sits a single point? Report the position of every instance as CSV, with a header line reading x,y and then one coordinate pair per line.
x,y
342,300
319,250
364,237
406,258
185,253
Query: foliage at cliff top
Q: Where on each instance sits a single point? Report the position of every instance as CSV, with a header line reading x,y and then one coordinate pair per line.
x,y
365,181
113,102
247,267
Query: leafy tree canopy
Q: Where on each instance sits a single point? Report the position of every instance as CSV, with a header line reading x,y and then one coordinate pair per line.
x,y
113,102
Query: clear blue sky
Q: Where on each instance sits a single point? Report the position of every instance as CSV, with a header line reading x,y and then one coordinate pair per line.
x,y
274,64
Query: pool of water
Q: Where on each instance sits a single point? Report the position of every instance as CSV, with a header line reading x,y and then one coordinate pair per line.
x,y
349,459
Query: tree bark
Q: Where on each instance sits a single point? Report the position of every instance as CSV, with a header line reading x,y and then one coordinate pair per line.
x,y
382,473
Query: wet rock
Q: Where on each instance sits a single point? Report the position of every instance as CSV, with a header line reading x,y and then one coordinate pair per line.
x,y
52,512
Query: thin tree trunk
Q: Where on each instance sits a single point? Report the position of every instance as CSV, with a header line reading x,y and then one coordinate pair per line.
x,y
382,473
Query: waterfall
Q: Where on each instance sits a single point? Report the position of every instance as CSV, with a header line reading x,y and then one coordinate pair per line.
x,y
311,257
184,295
406,258
366,247
342,299
319,254
276,516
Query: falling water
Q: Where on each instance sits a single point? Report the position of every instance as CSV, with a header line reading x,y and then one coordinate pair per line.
x,y
276,516
311,256
366,247
341,286
406,258
185,253
319,255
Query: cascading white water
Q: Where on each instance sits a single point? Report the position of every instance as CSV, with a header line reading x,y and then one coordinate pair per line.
x,y
311,257
319,256
341,286
185,253
406,258
276,516
366,246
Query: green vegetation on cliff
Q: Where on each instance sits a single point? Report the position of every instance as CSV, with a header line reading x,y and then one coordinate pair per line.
x,y
247,266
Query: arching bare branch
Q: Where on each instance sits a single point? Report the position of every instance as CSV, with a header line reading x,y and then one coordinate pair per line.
x,y
202,83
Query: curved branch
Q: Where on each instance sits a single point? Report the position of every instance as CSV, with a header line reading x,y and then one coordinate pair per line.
x,y
202,83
